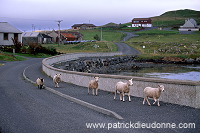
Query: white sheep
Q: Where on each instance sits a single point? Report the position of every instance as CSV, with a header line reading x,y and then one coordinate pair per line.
x,y
40,83
154,93
56,80
93,84
123,88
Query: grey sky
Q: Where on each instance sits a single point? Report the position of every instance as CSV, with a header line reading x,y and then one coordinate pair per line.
x,y
43,13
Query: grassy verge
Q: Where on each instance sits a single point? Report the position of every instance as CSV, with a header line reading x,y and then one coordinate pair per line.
x,y
158,46
84,47
10,57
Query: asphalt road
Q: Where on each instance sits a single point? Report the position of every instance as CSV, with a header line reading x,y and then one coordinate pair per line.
x,y
133,111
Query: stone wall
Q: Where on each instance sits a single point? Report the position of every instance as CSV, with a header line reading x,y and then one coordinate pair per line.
x,y
176,91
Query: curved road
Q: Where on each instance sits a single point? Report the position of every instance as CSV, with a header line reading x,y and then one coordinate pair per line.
x,y
126,49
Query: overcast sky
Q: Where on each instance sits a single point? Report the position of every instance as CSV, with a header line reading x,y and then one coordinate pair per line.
x,y
43,14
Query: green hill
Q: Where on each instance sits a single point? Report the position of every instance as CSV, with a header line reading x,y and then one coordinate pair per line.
x,y
175,18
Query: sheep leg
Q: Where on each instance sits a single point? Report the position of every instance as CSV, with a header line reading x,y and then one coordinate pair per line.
x,y
158,103
123,97
115,94
96,91
93,91
120,96
129,97
144,101
154,100
148,101
57,84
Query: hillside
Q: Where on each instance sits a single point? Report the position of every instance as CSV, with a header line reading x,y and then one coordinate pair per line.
x,y
175,18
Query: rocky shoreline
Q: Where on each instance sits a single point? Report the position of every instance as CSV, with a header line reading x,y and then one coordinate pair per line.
x,y
109,65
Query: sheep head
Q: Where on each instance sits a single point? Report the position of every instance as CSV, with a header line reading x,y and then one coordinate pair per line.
x,y
96,79
130,82
161,87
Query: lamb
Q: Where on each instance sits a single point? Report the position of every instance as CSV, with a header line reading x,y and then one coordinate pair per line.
x,y
123,88
40,83
94,85
56,80
153,93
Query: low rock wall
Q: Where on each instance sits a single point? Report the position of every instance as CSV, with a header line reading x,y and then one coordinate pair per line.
x,y
176,91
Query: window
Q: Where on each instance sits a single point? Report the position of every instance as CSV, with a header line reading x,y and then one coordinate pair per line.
x,y
5,36
15,36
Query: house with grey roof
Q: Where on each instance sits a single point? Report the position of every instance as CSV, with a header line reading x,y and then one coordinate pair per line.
x,y
190,25
83,26
31,37
7,32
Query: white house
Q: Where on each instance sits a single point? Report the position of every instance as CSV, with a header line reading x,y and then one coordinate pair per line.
x,y
7,32
142,22
190,25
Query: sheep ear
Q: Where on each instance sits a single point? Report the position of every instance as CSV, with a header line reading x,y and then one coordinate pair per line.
x,y
158,85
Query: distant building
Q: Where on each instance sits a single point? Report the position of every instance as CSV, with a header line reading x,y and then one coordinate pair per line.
x,y
83,26
46,39
141,22
32,37
190,25
7,32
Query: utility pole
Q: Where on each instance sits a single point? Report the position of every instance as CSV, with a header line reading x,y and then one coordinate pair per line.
x,y
59,31
101,33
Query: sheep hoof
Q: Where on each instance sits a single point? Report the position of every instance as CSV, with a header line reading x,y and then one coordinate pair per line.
x,y
129,101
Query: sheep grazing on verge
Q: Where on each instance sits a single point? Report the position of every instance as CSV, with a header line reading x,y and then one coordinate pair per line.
x,y
40,83
93,84
123,88
56,80
153,93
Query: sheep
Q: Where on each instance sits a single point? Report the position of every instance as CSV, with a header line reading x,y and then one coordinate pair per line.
x,y
93,84
40,83
123,88
153,93
56,80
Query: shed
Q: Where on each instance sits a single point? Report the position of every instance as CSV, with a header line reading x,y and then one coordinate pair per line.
x,y
31,37
7,32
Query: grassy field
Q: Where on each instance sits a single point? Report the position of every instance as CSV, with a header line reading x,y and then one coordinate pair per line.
x,y
84,47
157,32
107,35
158,46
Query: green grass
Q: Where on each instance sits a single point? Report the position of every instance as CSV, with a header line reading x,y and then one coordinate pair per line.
x,y
158,46
10,57
84,47
107,35
156,32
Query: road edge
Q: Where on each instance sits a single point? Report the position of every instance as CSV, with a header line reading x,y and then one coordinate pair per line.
x,y
78,101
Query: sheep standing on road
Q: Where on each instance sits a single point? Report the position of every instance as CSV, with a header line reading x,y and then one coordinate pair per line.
x,y
56,80
40,83
123,88
93,84
153,93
